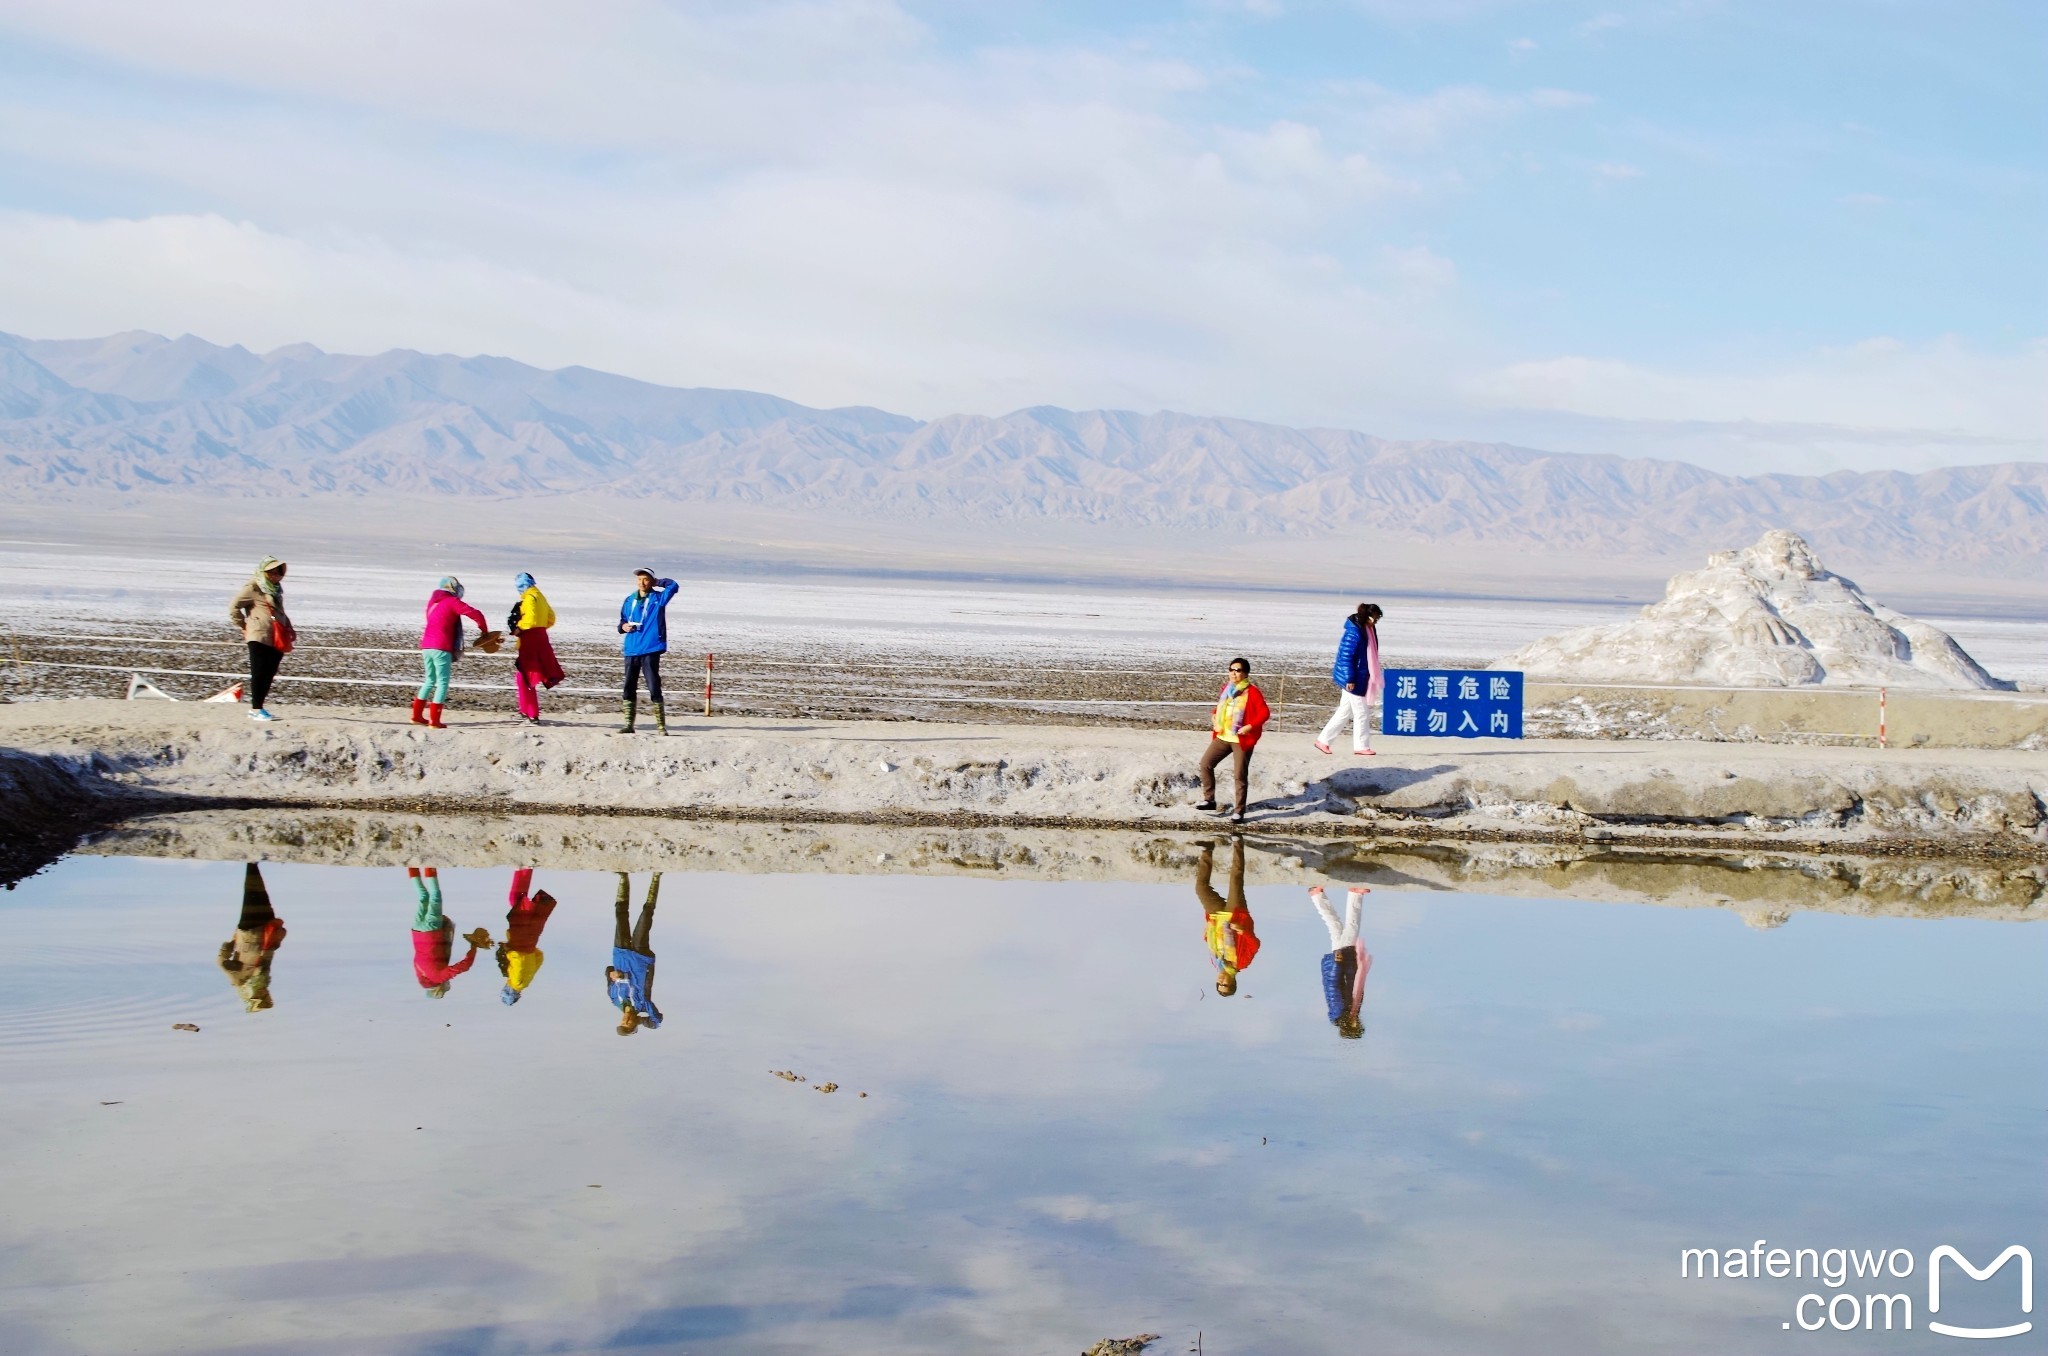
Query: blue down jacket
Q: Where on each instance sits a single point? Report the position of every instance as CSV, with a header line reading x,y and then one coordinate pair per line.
x,y
1350,667
652,614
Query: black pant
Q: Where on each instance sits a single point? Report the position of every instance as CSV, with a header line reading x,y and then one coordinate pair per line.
x,y
649,664
1241,761
263,662
256,910
624,935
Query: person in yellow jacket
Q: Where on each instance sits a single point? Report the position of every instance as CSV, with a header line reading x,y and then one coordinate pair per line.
x,y
536,667
520,956
1226,923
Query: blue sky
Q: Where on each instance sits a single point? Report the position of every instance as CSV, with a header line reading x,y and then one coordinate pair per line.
x,y
1762,234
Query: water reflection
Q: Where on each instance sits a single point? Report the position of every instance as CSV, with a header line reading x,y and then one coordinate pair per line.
x,y
1226,924
1348,962
629,979
247,955
1061,1141
433,936
519,955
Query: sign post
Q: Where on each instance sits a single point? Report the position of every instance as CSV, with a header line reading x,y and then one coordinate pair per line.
x,y
1452,703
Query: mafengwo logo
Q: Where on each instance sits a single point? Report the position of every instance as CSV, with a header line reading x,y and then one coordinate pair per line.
x,y
1887,1308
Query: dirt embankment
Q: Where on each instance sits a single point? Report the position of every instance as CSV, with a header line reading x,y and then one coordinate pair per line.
x,y
46,803
175,755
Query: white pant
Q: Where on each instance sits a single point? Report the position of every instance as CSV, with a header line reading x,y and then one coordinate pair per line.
x,y
1351,707
1345,932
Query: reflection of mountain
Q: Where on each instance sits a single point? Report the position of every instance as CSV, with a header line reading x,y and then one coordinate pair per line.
x,y
137,415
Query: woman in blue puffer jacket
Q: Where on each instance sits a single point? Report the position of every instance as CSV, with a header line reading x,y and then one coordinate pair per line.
x,y
1356,673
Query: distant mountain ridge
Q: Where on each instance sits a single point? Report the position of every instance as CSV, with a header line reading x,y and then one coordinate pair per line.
x,y
137,415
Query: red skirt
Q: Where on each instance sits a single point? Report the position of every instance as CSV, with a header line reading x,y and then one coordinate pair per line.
x,y
537,658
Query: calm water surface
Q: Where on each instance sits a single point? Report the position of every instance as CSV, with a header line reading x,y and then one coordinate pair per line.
x,y
1068,1133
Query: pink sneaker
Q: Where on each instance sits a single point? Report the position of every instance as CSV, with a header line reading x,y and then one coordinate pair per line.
x,y
1321,747
1364,753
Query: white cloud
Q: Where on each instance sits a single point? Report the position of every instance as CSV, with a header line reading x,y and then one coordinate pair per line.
x,y
1425,122
801,198
823,200
1881,388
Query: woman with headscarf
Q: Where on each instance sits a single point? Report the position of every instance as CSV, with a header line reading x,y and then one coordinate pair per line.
x,y
1356,672
246,956
258,613
440,643
536,667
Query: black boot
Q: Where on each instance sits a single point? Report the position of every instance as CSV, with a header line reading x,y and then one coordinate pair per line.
x,y
627,728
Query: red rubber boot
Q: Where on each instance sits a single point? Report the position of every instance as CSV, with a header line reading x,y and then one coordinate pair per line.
x,y
434,716
419,705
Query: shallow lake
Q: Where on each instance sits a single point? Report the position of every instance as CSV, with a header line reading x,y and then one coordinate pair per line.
x,y
1067,1133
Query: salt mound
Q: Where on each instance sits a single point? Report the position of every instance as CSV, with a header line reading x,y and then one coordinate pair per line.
x,y
1769,616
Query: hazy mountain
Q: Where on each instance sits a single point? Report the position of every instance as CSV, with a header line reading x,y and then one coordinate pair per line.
x,y
137,415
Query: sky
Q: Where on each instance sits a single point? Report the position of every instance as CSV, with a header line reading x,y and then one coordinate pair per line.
x,y
1753,234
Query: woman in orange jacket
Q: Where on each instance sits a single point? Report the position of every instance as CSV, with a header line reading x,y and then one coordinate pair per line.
x,y
1226,923
1240,717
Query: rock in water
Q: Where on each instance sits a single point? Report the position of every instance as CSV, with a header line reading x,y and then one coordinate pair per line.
x,y
1769,616
1122,1346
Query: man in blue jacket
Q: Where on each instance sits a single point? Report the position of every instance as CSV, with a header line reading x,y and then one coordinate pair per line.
x,y
629,979
643,621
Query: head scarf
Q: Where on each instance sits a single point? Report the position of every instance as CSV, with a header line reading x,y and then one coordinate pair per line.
x,y
524,582
450,584
263,581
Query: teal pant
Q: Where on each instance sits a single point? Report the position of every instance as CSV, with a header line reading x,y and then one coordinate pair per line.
x,y
439,664
427,917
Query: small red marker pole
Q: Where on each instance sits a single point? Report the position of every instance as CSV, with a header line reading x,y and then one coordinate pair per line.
x,y
1881,693
707,682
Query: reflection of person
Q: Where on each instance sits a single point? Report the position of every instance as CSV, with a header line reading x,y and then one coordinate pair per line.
x,y
433,936
258,613
247,955
1239,719
1356,672
1345,967
536,667
519,957
643,621
629,979
1227,925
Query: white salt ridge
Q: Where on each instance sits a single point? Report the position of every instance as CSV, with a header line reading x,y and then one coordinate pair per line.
x,y
1768,616
791,618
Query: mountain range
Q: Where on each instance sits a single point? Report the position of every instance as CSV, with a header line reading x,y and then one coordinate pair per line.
x,y
135,418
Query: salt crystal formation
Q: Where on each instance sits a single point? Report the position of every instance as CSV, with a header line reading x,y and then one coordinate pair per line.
x,y
1769,616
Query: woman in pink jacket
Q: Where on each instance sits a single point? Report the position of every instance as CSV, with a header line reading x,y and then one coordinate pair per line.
x,y
439,644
